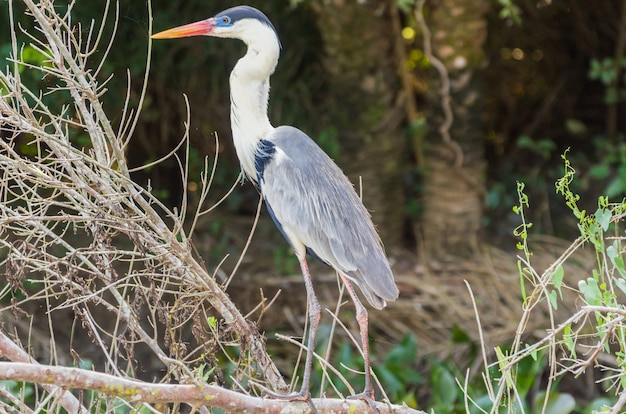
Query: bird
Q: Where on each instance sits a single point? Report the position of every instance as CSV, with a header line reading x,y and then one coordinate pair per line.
x,y
311,201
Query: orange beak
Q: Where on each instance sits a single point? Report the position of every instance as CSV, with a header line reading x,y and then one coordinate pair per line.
x,y
203,27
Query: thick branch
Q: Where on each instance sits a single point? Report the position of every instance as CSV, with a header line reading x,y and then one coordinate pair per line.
x,y
197,395
8,349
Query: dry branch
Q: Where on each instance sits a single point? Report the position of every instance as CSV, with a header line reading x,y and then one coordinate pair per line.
x,y
11,351
214,396
78,237
91,190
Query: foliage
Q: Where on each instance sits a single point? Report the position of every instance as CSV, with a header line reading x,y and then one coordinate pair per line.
x,y
608,71
509,10
406,5
405,374
555,93
609,166
397,370
540,147
285,262
516,382
597,325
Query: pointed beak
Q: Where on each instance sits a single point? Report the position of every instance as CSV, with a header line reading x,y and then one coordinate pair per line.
x,y
203,27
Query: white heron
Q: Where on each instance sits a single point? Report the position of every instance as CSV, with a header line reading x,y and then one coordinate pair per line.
x,y
309,198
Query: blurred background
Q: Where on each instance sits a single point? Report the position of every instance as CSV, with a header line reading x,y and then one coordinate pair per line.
x,y
525,79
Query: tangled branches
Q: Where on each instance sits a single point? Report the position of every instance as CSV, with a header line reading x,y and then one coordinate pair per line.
x,y
80,239
88,253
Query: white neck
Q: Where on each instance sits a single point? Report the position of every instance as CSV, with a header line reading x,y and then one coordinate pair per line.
x,y
249,94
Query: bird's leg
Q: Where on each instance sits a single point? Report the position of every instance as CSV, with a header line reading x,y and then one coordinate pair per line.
x,y
314,319
361,316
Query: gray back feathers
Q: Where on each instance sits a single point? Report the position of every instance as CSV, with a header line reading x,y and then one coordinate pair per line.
x,y
310,195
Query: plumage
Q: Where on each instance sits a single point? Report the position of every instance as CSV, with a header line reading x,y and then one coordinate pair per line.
x,y
312,202
310,195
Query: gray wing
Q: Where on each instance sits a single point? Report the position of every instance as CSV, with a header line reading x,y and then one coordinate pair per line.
x,y
315,205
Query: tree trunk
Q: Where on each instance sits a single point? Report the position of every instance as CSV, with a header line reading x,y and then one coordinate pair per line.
x,y
454,167
360,104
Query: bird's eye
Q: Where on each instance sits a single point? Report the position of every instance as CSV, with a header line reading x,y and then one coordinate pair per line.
x,y
225,20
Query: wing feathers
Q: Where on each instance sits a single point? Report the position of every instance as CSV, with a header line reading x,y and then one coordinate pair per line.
x,y
311,198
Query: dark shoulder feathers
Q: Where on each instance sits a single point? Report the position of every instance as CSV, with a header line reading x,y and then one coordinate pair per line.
x,y
265,151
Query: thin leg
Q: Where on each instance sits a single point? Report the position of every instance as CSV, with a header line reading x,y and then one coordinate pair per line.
x,y
361,317
314,320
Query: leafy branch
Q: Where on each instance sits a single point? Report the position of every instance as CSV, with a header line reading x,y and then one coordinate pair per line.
x,y
592,337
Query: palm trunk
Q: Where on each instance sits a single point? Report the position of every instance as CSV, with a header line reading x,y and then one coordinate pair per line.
x,y
361,105
454,168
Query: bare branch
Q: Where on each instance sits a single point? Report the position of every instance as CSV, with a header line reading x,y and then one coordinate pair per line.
x,y
66,210
208,395
8,349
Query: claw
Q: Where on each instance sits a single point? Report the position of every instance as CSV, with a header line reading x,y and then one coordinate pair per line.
x,y
303,395
368,397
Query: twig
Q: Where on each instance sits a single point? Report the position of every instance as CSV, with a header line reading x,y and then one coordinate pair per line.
x,y
488,384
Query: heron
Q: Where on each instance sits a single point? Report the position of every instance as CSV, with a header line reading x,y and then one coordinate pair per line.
x,y
312,202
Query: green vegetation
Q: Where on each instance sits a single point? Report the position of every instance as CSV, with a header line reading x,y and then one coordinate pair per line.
x,y
534,372
595,328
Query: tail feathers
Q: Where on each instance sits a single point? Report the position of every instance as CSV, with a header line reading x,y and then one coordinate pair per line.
x,y
377,288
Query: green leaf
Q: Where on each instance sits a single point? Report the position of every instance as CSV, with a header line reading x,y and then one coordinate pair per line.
x,y
619,265
568,339
575,127
590,290
444,386
615,187
621,284
613,252
482,404
598,405
212,321
528,372
553,300
558,403
557,279
524,141
405,353
405,5
459,336
533,352
600,171
390,379
603,216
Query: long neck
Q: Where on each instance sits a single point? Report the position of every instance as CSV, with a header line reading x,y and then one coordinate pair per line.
x,y
249,94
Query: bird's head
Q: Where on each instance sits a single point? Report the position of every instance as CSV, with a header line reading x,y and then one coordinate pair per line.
x,y
243,22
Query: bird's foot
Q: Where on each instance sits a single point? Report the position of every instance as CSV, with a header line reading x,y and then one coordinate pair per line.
x,y
303,395
368,397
